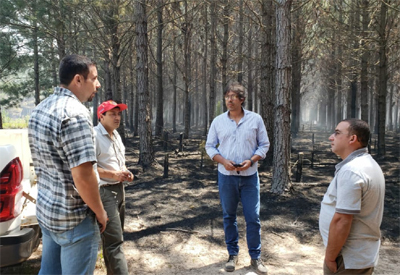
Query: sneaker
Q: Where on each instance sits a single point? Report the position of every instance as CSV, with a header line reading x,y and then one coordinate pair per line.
x,y
259,267
231,263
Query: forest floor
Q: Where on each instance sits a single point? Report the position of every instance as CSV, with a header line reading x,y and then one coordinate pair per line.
x,y
174,226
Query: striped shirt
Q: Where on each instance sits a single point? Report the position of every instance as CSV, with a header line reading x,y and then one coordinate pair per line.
x,y
237,142
60,138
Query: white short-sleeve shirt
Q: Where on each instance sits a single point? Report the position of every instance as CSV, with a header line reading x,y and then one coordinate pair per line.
x,y
358,188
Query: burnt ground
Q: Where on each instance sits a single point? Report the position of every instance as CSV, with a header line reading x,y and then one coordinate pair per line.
x,y
174,224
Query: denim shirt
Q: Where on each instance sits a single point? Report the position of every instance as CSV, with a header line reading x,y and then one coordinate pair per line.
x,y
237,141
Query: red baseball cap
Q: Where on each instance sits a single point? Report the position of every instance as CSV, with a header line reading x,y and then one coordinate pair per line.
x,y
108,105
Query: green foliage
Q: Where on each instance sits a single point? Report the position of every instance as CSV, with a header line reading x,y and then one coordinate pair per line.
x,y
15,91
14,123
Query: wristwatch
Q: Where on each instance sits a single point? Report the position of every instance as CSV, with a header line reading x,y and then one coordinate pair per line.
x,y
252,162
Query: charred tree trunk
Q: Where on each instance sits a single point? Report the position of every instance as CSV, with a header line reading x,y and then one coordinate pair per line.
x,y
205,51
281,178
146,156
250,69
187,30
296,73
266,91
364,62
240,44
160,92
224,59
213,60
383,76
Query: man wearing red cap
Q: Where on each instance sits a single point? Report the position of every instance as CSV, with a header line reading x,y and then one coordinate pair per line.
x,y
110,152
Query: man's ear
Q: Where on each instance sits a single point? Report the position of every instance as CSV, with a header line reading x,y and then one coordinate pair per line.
x,y
353,139
77,79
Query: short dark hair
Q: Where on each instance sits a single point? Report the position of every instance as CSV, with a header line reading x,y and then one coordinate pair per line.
x,y
237,88
74,64
360,128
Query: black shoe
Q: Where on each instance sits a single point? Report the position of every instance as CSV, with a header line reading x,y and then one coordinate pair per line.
x,y
259,267
231,263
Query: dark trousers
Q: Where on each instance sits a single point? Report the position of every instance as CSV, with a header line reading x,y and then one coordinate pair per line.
x,y
113,198
341,268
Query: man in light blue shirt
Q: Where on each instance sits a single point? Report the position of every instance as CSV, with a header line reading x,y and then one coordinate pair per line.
x,y
237,139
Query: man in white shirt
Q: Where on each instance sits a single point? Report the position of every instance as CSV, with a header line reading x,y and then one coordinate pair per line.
x,y
110,152
352,208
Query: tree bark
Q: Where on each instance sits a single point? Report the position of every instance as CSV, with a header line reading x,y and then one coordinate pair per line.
x,y
281,179
205,51
224,58
240,44
174,83
364,62
146,156
160,92
250,69
383,76
213,60
187,29
296,72
266,81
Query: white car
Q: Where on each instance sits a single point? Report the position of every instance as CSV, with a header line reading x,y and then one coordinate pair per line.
x,y
19,230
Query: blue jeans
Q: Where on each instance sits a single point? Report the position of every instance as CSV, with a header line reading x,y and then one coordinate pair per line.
x,y
246,189
73,251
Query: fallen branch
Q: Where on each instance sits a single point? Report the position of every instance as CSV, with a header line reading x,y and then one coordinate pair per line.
x,y
183,230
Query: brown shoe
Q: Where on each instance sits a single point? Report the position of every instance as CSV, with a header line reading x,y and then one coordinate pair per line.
x,y
259,267
231,263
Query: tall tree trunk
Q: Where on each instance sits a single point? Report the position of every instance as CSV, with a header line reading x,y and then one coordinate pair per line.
x,y
240,44
60,29
354,25
250,69
108,89
281,179
296,73
339,62
390,111
205,51
224,59
383,76
174,84
364,62
396,113
266,81
256,78
146,156
213,60
187,55
1,119
132,93
160,92
36,60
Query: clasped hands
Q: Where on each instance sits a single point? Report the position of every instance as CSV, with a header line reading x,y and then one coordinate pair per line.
x,y
123,176
230,165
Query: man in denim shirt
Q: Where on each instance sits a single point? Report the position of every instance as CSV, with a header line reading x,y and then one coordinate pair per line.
x,y
242,140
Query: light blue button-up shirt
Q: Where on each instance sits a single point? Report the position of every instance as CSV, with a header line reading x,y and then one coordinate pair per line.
x,y
237,142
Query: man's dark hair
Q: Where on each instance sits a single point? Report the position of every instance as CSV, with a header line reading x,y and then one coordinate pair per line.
x,y
237,88
360,128
74,64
